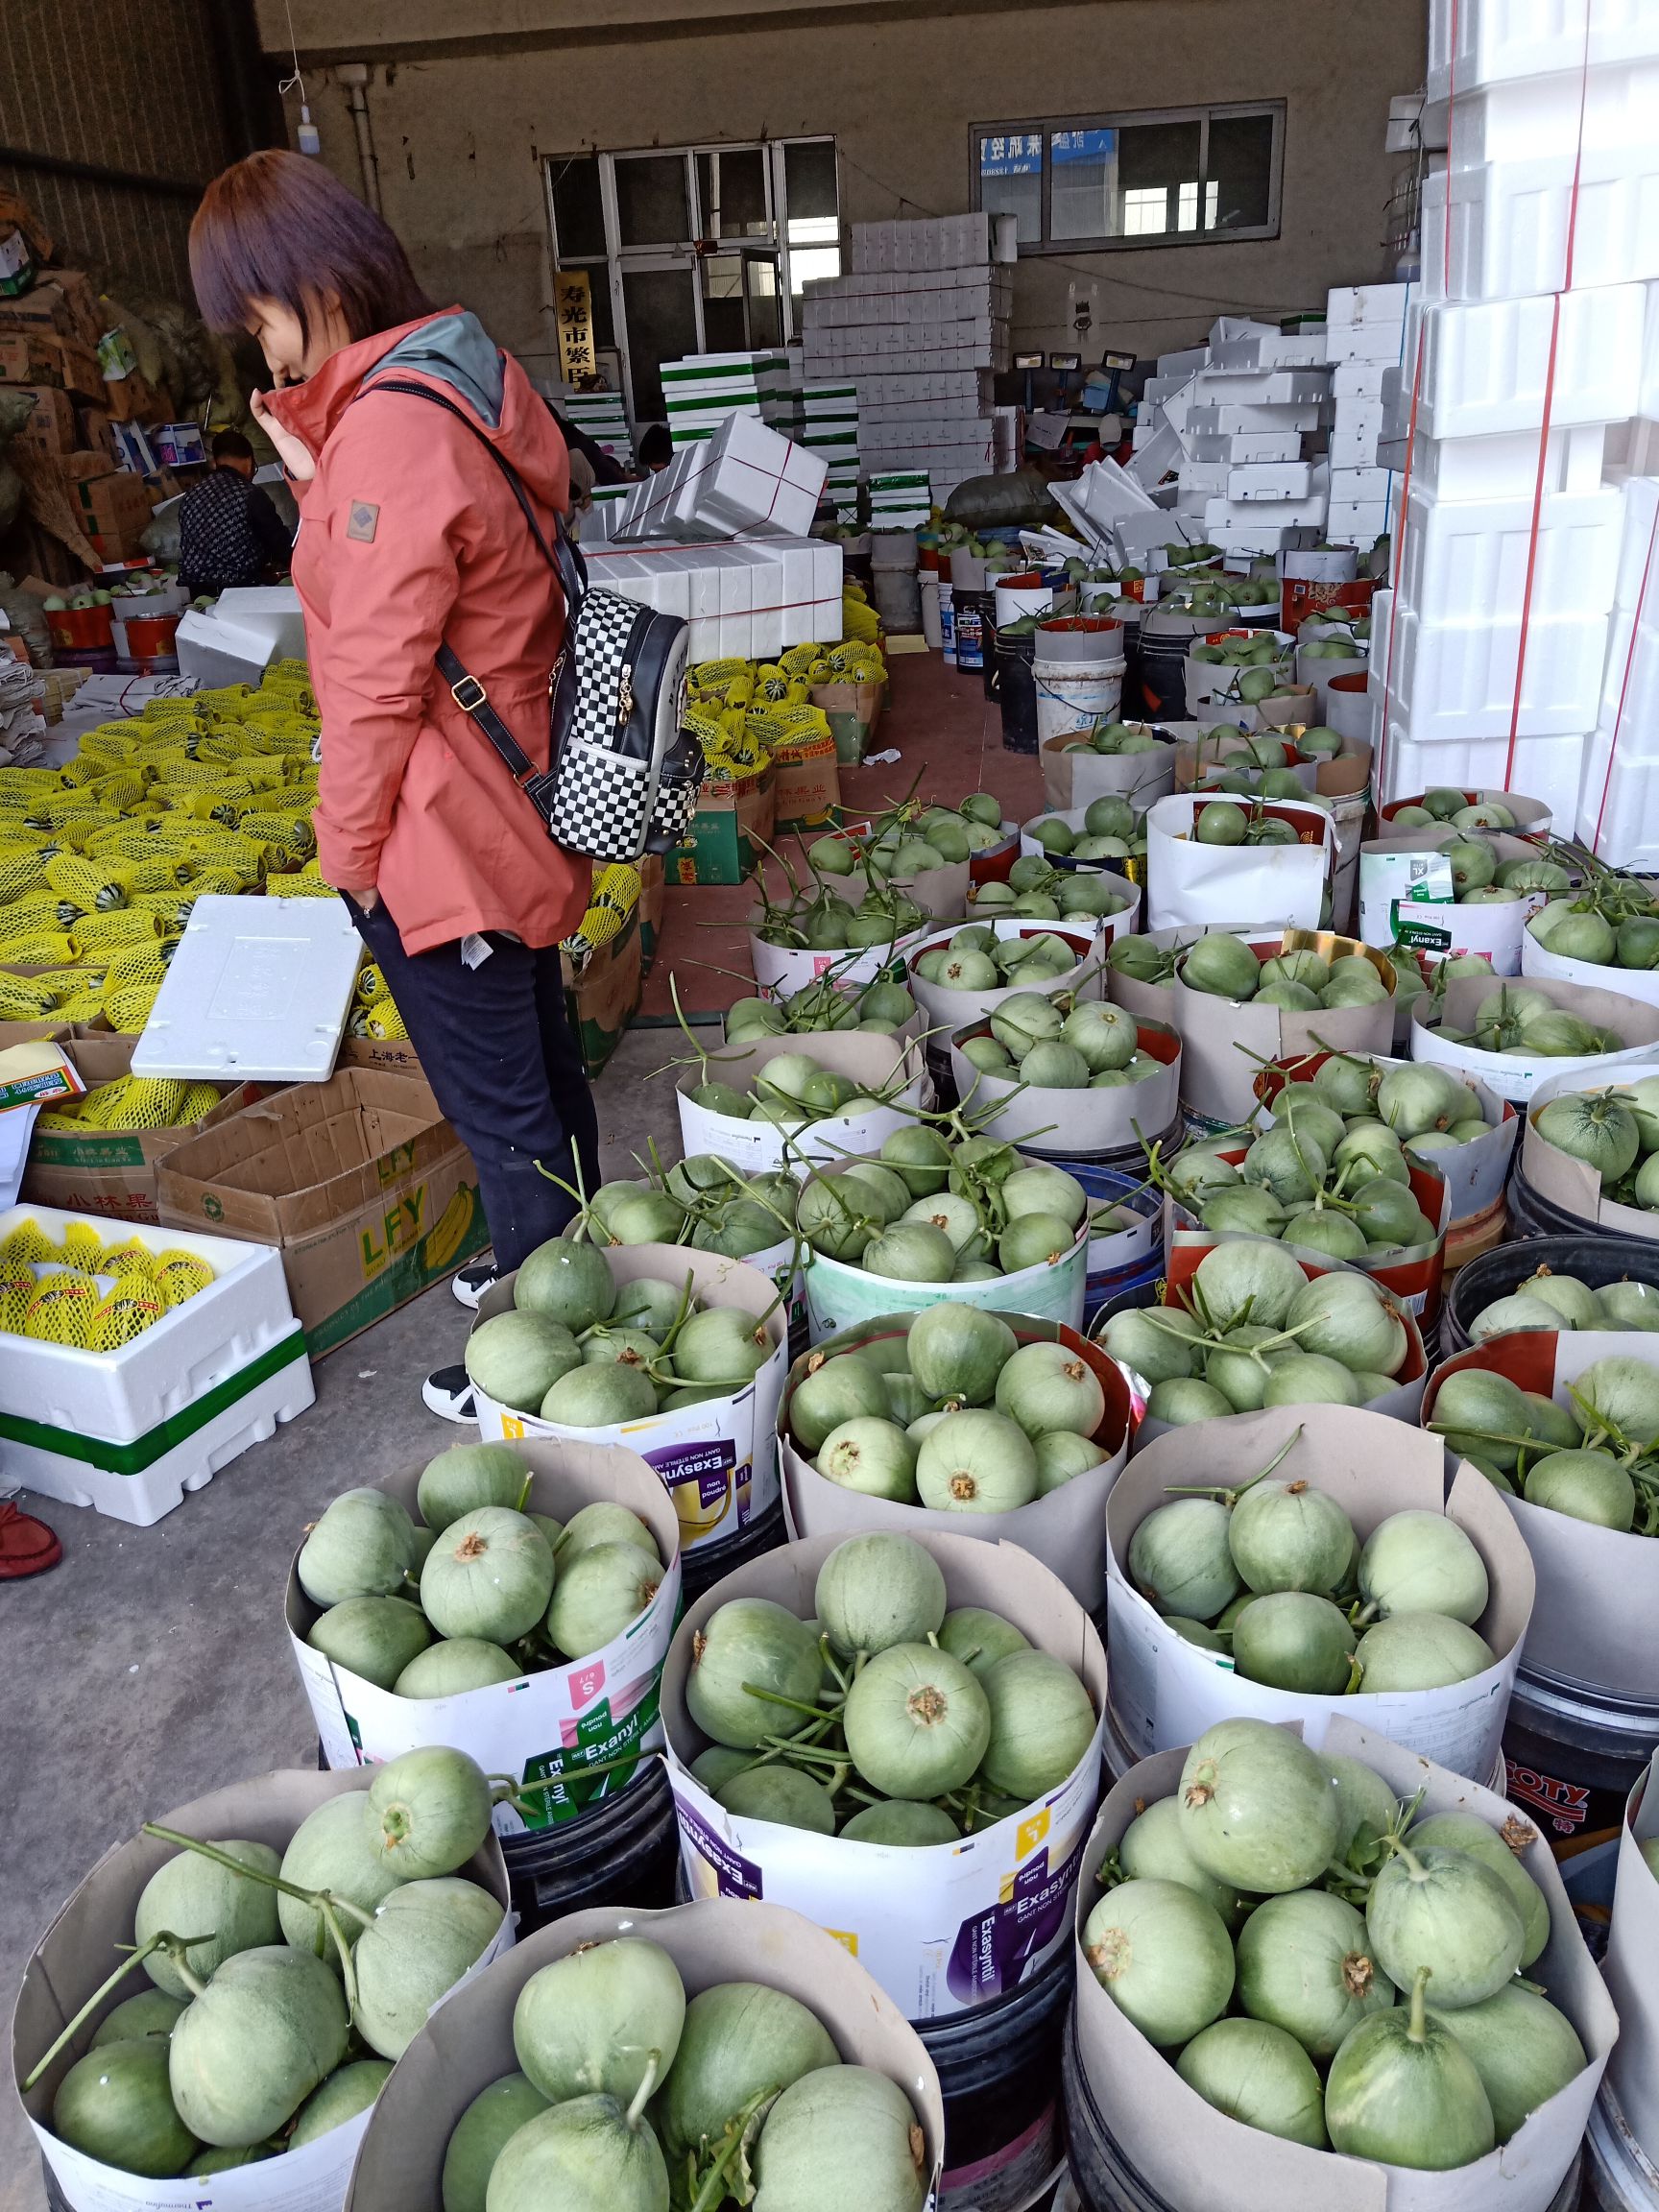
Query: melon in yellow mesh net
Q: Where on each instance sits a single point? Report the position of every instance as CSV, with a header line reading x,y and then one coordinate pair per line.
x,y
129,1259
135,1305
20,870
24,1245
129,964
383,1021
141,1102
62,1310
180,1275
83,1247
22,1001
127,1011
17,1287
199,1098
290,833
370,983
125,926
296,883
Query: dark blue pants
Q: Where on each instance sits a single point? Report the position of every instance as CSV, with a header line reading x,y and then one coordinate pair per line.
x,y
496,1047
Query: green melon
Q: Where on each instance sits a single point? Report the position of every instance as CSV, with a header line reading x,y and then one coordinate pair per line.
x,y
425,1936
191,1895
332,1849
480,2136
269,2026
115,2105
347,2091
568,1282
469,1475
516,1359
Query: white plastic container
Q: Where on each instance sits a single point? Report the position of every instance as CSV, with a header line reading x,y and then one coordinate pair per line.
x,y
257,992
1518,227
1486,363
1074,695
873,1062
1467,559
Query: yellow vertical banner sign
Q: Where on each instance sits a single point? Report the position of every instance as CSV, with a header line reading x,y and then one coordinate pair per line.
x,y
575,307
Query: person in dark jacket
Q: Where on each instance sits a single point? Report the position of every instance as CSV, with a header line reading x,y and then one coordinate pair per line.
x,y
229,532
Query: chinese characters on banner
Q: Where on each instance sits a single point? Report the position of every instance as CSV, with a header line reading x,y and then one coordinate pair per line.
x,y
574,307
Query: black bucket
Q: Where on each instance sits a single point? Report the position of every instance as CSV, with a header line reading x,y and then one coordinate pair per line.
x,y
622,1850
1102,2176
1160,693
1533,1214
707,1563
1016,693
999,2069
1592,1257
1573,1756
988,655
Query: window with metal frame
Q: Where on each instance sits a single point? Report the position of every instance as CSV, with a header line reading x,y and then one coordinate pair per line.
x,y
1171,177
694,248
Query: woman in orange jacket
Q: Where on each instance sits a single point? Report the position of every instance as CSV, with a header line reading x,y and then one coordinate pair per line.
x,y
410,537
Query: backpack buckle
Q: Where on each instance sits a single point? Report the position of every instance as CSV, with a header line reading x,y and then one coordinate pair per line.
x,y
469,694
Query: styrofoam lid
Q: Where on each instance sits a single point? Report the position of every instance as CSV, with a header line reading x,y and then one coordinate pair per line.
x,y
258,991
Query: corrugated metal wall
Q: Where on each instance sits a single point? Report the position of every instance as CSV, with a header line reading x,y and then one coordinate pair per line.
x,y
128,86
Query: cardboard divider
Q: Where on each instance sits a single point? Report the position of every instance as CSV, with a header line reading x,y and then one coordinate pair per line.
x,y
1628,1968
77,1953
947,1926
1406,893
1066,1530
717,1461
1412,1279
1066,1124
1165,1691
1073,778
1178,2145
1189,883
468,2043
1474,1173
1630,982
1574,1185
1517,1076
868,1061
598,1707
1597,1618
1225,1041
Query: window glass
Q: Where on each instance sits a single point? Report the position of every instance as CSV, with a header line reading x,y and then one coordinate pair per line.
x,y
1159,167
1133,177
578,212
1241,172
651,208
732,189
1011,179
661,310
809,179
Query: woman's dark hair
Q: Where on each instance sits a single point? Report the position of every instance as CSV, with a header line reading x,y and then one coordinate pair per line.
x,y
280,227
230,445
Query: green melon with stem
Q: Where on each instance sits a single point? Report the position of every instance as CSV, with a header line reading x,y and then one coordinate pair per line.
x,y
191,1892
332,1849
425,1935
263,2033
469,1475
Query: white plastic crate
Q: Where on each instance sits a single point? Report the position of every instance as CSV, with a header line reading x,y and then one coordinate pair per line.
x,y
1499,41
1486,363
1508,467
1355,448
1453,682
111,1482
1359,379
1509,224
1275,480
122,1395
1348,522
1467,557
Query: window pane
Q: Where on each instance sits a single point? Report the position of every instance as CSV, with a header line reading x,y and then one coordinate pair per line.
x,y
1241,172
651,199
731,187
809,179
723,330
1084,197
578,216
765,308
661,313
814,249
1011,179
1157,173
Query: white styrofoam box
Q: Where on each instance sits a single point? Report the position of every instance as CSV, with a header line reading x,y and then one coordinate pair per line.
x,y
268,610
1534,115
1243,514
1392,455
122,1395
1510,221
1275,480
1360,487
1356,380
1508,468
1354,306
1618,805
1249,535
258,990
1637,579
1266,387
1455,681
939,242
1547,768
1468,558
1630,677
1212,417
1243,445
1486,363
1477,42
1182,365
1205,477
1351,522
1352,450
217,651
1271,349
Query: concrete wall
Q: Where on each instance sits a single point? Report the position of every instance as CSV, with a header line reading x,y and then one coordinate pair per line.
x,y
462,123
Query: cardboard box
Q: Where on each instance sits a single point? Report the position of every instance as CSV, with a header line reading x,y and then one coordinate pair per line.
x,y
731,817
52,427
854,711
807,784
359,1182
112,1172
653,898
113,504
603,997
135,399
31,357
63,303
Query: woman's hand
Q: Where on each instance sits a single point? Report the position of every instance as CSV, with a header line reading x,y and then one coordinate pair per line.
x,y
293,452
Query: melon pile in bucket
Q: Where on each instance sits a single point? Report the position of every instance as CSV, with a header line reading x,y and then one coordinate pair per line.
x,y
1061,1043
283,1986
1318,1960
888,1718
478,1590
1112,830
1594,1459
933,1206
1517,1019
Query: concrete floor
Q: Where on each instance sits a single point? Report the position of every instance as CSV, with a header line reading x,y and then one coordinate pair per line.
x,y
151,1664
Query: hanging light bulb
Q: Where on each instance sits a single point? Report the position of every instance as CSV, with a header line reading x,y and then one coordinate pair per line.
x,y
310,137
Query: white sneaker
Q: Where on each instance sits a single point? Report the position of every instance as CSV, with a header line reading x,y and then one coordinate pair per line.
x,y
471,1283
447,1391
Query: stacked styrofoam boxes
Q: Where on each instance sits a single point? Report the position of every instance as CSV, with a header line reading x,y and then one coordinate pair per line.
x,y
917,324
1247,413
742,478
749,599
1364,338
830,428
899,498
703,390
1618,797
599,416
1503,529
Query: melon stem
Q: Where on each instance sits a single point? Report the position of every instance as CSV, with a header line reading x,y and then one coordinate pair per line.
x,y
315,1898
176,1946
774,1697
1417,2026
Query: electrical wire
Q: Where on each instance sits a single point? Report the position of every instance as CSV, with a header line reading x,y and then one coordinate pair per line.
x,y
289,83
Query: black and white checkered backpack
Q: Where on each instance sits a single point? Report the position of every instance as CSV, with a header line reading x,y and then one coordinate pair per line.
x,y
624,774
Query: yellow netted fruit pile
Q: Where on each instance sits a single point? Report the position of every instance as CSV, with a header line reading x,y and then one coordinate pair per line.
x,y
88,1291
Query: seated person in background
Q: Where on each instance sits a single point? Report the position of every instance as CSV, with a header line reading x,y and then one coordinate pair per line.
x,y
656,448
229,532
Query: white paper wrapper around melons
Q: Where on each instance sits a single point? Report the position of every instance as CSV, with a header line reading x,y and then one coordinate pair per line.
x,y
1532,817
1597,1618
1076,779
599,1707
1475,1173
1032,847
1202,755
716,1460
1517,1076
1406,890
1212,696
1189,883
783,970
1177,2144
1071,1124
949,1009
1120,1248
1536,961
467,2044
77,1953
1574,1185
1224,1041
1165,1691
1632,1944
841,1296
870,1061
1156,1001
1066,1530
945,1927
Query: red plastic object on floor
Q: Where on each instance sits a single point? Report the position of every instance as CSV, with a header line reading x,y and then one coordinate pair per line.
x,y
27,1546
